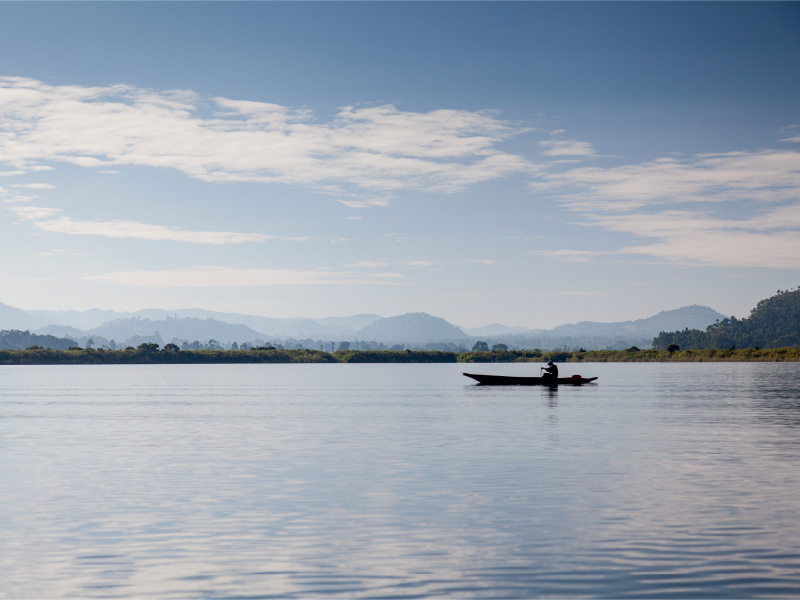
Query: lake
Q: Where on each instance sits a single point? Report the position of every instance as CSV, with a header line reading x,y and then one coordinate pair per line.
x,y
659,480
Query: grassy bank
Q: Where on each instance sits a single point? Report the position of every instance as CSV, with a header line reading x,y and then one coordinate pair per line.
x,y
150,356
745,355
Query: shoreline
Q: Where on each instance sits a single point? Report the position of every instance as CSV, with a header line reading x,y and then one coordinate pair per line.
x,y
271,356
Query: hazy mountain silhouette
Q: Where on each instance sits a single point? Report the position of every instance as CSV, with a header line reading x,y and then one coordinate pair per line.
x,y
773,323
291,327
693,317
17,319
411,328
496,329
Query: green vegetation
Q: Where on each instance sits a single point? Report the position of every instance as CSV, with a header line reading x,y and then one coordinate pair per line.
x,y
18,340
394,356
150,354
773,323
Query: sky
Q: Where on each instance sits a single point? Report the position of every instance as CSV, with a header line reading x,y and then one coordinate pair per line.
x,y
530,164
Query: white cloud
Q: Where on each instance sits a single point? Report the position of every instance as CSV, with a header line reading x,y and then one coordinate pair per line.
x,y
370,264
142,231
354,218
29,213
418,263
770,239
573,256
111,172
304,238
219,139
394,237
621,199
227,277
60,252
566,148
476,261
10,173
365,203
35,186
768,175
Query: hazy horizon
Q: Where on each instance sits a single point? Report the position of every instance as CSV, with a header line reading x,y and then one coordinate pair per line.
x,y
529,164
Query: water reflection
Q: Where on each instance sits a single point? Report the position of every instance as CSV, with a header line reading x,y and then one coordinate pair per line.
x,y
398,480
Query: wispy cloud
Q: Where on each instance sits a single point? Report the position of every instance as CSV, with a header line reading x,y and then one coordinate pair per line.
x,y
770,239
370,264
649,200
767,176
143,231
30,213
61,252
228,277
475,261
418,263
365,203
354,218
566,148
574,256
220,139
35,186
394,237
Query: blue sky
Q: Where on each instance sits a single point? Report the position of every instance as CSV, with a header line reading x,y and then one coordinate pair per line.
x,y
524,163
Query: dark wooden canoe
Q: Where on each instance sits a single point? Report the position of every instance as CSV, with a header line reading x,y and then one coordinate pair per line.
x,y
503,380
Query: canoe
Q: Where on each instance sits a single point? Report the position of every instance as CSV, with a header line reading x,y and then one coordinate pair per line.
x,y
503,380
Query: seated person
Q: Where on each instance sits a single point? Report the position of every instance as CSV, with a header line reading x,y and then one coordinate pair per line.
x,y
552,371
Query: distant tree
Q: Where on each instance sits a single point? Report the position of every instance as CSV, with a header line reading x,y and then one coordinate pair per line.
x,y
148,347
502,347
171,348
35,348
582,349
127,348
398,347
673,348
112,345
90,343
343,346
631,349
234,346
480,347
74,348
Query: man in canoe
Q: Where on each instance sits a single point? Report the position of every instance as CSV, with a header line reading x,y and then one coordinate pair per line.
x,y
552,371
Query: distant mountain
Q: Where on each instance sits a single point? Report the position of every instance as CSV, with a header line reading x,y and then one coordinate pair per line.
x,y
17,319
411,328
773,323
19,340
64,331
693,316
329,327
496,329
78,319
184,329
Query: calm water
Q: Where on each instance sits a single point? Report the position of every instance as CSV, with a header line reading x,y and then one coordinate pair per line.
x,y
399,481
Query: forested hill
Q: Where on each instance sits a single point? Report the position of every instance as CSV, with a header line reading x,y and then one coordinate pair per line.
x,y
19,340
773,323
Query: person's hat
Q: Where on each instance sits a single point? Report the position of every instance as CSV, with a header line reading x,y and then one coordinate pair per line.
x,y
550,363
